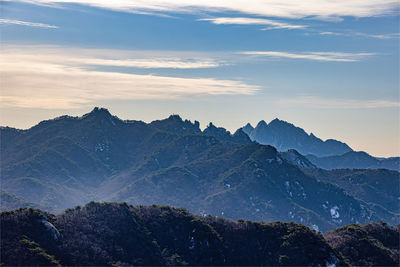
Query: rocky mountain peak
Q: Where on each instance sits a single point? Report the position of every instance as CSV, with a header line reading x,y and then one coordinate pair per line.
x,y
262,123
103,112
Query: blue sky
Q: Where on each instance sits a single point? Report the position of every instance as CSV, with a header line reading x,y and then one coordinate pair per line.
x,y
330,67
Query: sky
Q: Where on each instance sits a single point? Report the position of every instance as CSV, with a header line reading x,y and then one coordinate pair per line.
x,y
330,67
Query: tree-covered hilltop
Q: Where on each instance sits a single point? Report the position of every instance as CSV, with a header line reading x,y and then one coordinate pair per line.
x,y
368,244
105,234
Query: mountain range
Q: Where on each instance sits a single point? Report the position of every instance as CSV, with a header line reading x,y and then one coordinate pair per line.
x,y
70,161
284,136
355,160
117,234
328,154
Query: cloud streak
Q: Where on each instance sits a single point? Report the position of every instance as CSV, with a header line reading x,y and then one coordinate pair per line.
x,y
148,63
319,9
115,58
315,56
26,23
254,21
36,80
335,103
376,36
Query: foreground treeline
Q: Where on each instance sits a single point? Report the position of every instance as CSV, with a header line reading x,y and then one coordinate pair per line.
x,y
119,234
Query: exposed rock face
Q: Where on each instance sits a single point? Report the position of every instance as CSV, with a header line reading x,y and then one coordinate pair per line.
x,y
52,229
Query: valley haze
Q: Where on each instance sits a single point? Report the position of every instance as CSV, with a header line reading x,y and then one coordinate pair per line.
x,y
199,133
68,161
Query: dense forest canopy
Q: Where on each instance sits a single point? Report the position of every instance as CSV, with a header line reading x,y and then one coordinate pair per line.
x,y
118,234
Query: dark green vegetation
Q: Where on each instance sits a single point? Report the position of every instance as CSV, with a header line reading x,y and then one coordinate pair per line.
x,y
368,244
70,161
120,234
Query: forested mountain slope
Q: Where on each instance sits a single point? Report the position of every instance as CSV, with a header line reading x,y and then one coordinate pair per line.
x,y
70,161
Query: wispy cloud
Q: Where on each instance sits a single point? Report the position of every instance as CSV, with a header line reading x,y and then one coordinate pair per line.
x,y
336,103
79,57
319,9
148,63
27,23
379,36
352,34
33,79
254,21
331,33
151,63
316,56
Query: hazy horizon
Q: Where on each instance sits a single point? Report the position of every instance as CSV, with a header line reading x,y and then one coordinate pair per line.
x,y
330,68
203,124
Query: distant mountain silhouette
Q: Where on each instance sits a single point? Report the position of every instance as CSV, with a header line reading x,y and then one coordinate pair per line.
x,y
355,160
70,161
285,136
